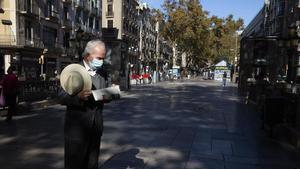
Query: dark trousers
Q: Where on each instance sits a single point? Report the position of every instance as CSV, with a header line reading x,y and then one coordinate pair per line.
x,y
11,103
82,151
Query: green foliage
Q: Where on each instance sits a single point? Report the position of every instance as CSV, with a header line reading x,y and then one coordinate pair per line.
x,y
204,39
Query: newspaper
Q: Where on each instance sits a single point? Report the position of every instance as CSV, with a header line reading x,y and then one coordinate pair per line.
x,y
110,92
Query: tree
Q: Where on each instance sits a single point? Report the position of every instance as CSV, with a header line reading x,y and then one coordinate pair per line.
x,y
225,36
204,39
187,25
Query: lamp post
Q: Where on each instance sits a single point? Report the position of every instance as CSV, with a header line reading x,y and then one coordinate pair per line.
x,y
157,52
140,16
235,61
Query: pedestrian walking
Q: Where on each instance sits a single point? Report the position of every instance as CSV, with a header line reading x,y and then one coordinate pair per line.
x,y
84,120
150,78
10,90
224,78
141,79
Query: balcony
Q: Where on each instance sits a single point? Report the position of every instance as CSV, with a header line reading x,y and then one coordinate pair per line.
x,y
67,1
53,47
30,42
67,24
54,17
67,51
79,4
71,51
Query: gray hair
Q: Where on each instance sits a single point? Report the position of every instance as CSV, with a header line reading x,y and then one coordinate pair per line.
x,y
91,45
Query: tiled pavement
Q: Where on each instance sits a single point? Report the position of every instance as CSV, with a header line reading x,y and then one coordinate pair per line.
x,y
180,125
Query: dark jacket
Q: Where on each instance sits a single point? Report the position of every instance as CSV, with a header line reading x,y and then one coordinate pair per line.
x,y
10,84
83,115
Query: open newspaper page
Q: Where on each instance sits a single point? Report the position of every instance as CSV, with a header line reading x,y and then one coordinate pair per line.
x,y
112,92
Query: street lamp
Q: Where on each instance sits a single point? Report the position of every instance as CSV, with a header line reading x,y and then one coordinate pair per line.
x,y
157,51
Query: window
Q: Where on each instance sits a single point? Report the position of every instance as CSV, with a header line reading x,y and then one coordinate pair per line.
x,y
91,22
97,25
49,37
78,17
28,31
66,13
280,7
66,40
110,10
48,10
110,23
28,5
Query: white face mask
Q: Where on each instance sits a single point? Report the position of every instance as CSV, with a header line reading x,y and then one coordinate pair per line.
x,y
96,63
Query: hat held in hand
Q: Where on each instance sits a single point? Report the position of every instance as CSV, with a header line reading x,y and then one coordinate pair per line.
x,y
75,78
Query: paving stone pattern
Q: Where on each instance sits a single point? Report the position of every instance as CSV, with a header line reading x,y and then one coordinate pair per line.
x,y
191,124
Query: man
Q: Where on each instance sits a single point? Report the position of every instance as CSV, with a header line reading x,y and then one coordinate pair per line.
x,y
224,78
84,121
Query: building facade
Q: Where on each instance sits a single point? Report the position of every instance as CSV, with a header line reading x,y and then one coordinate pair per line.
x,y
123,15
148,36
38,34
270,43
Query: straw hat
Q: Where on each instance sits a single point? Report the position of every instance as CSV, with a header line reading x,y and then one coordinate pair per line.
x,y
75,78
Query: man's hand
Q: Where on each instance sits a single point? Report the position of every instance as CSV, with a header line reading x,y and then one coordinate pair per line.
x,y
84,94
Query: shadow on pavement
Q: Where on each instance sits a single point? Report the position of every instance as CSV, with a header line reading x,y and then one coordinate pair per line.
x,y
182,125
32,140
127,160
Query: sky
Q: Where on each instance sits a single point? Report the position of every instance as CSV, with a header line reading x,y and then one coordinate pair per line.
x,y
245,9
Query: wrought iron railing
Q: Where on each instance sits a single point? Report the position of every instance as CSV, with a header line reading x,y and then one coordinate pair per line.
x,y
67,24
38,90
32,42
67,1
